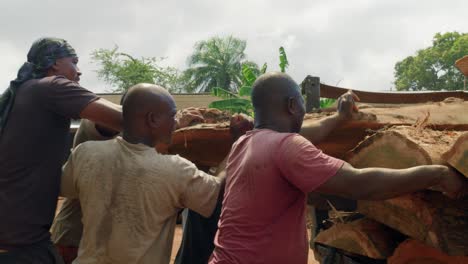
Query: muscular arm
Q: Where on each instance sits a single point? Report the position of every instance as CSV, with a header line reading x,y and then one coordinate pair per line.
x,y
379,183
316,131
104,113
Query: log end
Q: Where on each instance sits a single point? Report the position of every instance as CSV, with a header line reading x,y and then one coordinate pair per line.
x,y
414,252
364,237
457,155
388,149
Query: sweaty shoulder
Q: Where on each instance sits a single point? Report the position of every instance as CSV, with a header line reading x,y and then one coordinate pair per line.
x,y
258,143
48,83
304,165
94,149
265,136
179,167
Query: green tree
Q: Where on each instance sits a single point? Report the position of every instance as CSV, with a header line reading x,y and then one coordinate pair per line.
x,y
241,102
433,68
217,62
123,71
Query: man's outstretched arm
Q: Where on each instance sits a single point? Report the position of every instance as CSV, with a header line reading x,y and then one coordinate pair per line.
x,y
104,113
379,183
316,131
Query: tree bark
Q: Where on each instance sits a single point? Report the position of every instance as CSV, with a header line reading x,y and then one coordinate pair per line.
x,y
203,144
208,144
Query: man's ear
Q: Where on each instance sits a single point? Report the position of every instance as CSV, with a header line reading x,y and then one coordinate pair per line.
x,y
54,68
152,120
292,105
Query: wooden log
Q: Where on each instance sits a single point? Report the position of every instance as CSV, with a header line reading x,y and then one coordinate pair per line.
x,y
203,144
457,155
437,116
207,144
364,237
329,91
426,216
414,252
449,114
402,147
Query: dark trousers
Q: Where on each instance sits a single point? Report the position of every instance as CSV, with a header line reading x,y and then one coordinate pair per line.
x,y
198,237
40,253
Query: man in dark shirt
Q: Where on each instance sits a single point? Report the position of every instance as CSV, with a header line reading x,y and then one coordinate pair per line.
x,y
35,114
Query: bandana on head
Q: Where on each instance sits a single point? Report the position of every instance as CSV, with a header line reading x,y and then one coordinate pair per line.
x,y
42,55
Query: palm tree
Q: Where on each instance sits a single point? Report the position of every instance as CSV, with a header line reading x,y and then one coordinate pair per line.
x,y
217,62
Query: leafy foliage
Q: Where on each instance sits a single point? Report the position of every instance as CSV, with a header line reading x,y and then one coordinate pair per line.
x,y
217,62
225,94
283,60
240,102
326,102
123,71
433,68
234,105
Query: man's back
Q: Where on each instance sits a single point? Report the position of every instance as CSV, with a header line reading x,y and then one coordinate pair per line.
x,y
263,216
130,196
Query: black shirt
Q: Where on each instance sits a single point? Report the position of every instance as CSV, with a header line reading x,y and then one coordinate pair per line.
x,y
32,150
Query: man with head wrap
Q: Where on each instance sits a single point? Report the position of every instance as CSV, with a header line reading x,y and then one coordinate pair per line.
x,y
35,113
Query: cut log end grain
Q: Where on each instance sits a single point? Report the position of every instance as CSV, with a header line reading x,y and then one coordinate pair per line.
x,y
388,149
426,216
414,252
402,147
364,237
457,155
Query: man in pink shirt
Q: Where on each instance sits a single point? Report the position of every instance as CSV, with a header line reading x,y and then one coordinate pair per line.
x,y
272,168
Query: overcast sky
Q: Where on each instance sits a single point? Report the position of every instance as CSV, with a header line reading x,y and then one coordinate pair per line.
x,y
353,43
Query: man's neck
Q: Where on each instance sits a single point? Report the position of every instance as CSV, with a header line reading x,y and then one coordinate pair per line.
x,y
134,139
278,127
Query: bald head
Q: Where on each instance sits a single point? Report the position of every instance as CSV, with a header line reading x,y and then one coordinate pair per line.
x,y
277,102
148,113
271,90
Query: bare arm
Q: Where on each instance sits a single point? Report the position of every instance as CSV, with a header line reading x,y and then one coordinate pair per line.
x,y
317,131
379,183
104,113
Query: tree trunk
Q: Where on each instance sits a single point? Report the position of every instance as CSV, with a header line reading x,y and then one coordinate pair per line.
x,y
426,216
402,147
457,156
438,116
204,144
208,144
414,252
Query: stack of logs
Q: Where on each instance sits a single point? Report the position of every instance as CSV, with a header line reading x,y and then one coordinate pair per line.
x,y
422,227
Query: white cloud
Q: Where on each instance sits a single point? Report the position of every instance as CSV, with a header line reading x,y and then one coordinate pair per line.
x,y
357,42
